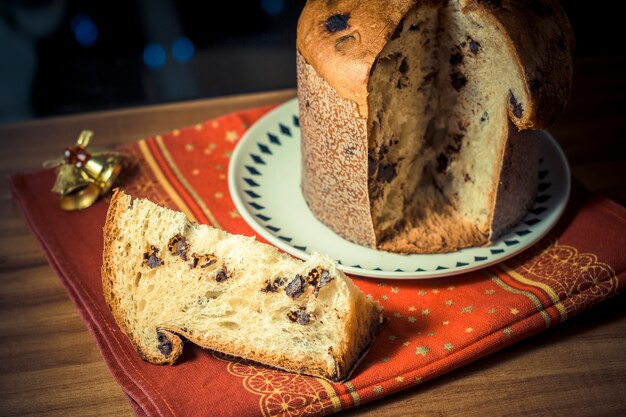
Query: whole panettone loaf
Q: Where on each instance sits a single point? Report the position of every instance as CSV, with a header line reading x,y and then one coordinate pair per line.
x,y
165,278
417,117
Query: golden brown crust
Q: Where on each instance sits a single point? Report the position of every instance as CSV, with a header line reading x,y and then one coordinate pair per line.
x,y
439,233
231,348
344,57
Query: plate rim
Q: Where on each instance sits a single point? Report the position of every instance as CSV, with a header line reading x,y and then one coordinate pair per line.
x,y
258,228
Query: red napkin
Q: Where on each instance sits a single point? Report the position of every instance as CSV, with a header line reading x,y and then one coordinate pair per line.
x,y
434,325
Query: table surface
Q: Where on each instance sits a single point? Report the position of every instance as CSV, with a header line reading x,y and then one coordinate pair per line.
x,y
49,364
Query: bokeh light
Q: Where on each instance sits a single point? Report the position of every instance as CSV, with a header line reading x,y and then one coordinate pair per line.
x,y
154,55
84,30
183,49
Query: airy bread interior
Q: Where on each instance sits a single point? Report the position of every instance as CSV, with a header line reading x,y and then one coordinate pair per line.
x,y
164,276
440,95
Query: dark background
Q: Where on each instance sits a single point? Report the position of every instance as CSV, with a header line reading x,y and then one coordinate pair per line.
x,y
68,56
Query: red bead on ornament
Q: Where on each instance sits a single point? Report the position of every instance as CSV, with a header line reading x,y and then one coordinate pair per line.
x,y
76,155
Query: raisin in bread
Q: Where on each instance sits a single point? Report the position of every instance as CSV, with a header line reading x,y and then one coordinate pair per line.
x,y
164,277
417,117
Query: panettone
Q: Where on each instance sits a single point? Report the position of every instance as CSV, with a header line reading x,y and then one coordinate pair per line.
x,y
417,117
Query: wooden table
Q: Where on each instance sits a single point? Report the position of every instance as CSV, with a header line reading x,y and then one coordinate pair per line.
x,y
50,365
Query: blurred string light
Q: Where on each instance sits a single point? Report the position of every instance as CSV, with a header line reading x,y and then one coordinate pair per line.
x,y
84,29
272,7
183,49
154,55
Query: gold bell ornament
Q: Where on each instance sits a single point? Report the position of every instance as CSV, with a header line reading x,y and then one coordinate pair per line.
x,y
83,175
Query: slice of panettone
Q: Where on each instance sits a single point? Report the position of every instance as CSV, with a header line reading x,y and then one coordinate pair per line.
x,y
165,277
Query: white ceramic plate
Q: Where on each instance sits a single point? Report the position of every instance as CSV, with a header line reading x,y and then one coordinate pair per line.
x,y
264,182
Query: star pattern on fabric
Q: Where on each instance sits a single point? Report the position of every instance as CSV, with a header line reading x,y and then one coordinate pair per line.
x,y
469,330
395,290
467,309
209,148
449,302
392,337
507,331
231,136
422,350
234,214
412,319
189,147
412,308
378,389
514,311
400,378
448,346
